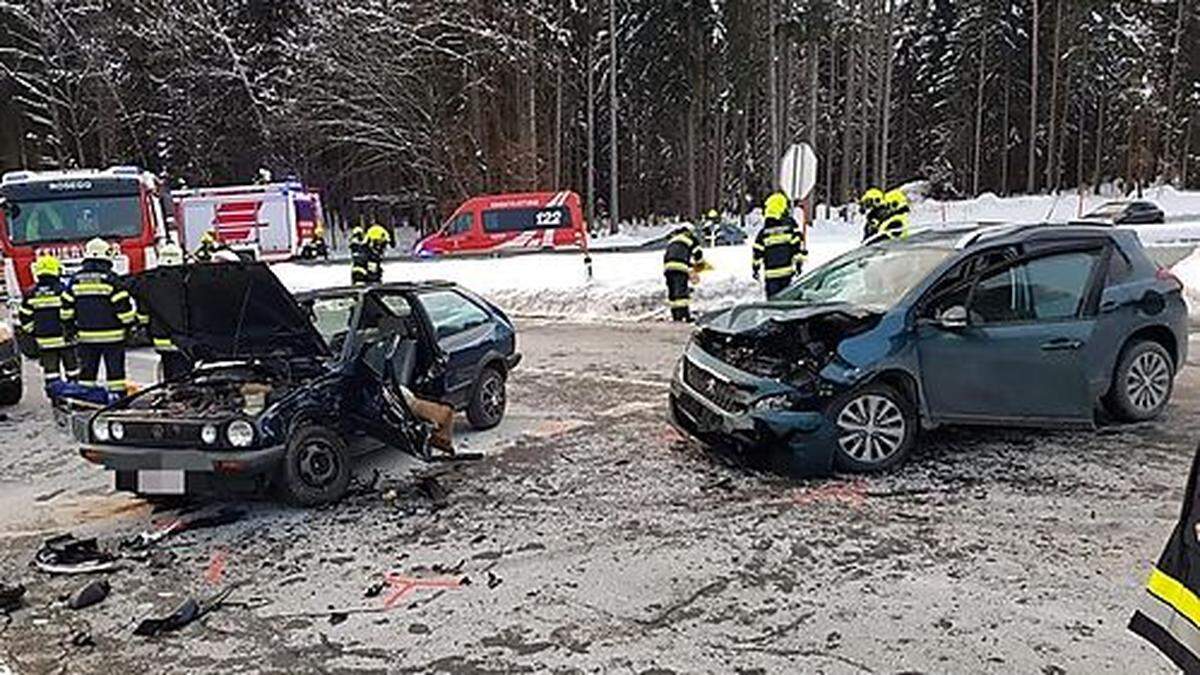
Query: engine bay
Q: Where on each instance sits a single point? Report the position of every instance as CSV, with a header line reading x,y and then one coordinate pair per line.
x,y
794,350
219,393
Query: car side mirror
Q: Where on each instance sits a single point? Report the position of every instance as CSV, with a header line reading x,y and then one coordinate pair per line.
x,y
953,318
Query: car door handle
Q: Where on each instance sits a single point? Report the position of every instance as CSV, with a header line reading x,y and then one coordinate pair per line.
x,y
1061,344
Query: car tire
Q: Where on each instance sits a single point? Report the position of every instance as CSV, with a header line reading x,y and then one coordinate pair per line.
x,y
489,399
10,394
875,429
1142,382
316,467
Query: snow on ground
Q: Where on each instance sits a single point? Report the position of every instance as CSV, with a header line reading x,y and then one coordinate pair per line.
x,y
628,285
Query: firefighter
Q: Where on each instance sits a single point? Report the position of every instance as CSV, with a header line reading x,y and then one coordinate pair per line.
x,y
712,226
870,204
175,363
682,254
103,314
208,246
358,255
779,247
377,240
895,219
47,315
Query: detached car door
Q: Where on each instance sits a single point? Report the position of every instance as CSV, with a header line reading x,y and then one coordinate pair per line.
x,y
464,333
1020,357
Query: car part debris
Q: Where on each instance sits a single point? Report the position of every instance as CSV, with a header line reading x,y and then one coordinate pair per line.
x,y
336,618
187,612
374,590
493,580
65,554
91,594
82,639
432,488
226,515
10,597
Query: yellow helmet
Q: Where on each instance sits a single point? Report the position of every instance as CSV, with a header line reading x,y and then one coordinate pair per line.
x,y
712,213
776,206
97,249
357,233
209,237
872,197
47,266
895,197
376,234
170,255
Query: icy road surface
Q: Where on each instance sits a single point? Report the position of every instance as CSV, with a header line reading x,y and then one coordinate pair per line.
x,y
595,539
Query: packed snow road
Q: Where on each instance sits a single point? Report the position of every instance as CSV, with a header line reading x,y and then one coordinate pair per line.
x,y
592,537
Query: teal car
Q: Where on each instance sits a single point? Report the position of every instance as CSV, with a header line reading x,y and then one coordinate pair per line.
x,y
1019,325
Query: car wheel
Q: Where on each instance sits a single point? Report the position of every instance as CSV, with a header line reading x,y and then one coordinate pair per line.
x,y
1142,383
10,394
489,399
315,467
876,428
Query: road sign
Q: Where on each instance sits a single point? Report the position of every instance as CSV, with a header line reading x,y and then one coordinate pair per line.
x,y
798,172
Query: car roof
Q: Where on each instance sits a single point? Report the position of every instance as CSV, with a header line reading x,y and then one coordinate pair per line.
x,y
394,287
973,236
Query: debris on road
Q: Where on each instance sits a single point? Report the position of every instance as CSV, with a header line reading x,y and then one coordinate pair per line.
x,y
187,612
10,597
91,594
65,554
226,515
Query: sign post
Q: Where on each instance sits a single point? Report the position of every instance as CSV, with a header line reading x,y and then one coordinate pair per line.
x,y
798,175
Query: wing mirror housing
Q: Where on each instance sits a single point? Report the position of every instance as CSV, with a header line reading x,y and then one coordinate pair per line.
x,y
953,318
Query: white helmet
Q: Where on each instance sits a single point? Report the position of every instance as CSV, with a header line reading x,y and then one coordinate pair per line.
x,y
97,249
225,255
170,255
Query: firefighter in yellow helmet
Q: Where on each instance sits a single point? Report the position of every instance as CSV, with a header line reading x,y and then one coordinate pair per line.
x,y
870,204
48,316
358,255
209,243
103,315
682,254
378,239
895,219
779,248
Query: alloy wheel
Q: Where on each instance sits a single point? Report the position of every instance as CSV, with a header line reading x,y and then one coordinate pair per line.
x,y
492,397
871,428
1148,381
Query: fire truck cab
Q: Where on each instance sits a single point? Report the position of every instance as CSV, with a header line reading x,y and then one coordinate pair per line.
x,y
58,212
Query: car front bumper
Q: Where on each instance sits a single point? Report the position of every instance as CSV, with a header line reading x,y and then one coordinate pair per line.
x,y
804,440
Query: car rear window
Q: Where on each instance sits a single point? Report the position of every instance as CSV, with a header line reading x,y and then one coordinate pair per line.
x,y
521,220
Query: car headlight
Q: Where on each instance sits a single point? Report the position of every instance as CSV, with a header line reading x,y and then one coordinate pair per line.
x,y
773,403
208,434
240,433
100,430
117,430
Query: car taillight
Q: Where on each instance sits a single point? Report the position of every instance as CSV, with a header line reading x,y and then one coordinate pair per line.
x,y
1164,274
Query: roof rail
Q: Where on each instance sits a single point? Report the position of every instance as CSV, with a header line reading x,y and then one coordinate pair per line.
x,y
994,231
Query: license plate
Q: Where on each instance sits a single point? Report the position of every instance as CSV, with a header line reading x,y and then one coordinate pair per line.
x,y
161,482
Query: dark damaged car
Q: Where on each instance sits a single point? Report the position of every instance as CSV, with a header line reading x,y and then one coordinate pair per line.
x,y
1031,326
287,393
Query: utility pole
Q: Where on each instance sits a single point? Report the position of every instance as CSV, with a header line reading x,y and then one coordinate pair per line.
x,y
615,211
591,122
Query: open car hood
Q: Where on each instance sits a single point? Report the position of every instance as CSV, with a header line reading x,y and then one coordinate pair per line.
x,y
754,317
228,310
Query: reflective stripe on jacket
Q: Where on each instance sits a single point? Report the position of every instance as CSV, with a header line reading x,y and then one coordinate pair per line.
x,y
47,313
778,248
682,252
103,308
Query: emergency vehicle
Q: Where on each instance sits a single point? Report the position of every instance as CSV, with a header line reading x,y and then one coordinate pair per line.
x,y
58,212
269,222
534,221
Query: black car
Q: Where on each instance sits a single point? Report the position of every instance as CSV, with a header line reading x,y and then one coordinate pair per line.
x,y
287,393
1126,213
10,367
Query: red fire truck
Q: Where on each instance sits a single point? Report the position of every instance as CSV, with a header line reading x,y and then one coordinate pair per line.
x,y
57,212
271,221
535,221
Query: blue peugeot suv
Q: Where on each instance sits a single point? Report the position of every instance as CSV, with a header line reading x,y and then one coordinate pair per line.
x,y
1021,325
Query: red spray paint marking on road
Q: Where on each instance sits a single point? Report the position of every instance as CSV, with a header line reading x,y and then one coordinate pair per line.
x,y
401,586
216,567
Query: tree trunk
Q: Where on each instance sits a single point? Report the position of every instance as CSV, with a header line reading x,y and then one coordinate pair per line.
x,y
1031,166
591,122
690,122
978,118
1168,141
847,123
887,99
558,113
614,188
1006,131
773,85
1052,169
1096,175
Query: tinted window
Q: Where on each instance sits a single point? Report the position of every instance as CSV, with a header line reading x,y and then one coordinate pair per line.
x,y
519,220
1043,289
451,313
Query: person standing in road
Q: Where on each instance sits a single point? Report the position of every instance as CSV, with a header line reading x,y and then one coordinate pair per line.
x,y
682,254
378,239
870,204
779,248
358,255
175,363
103,314
895,220
46,315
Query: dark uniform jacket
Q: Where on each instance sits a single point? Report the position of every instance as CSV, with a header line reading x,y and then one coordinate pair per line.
x,y
103,308
778,248
682,252
373,262
1169,613
47,315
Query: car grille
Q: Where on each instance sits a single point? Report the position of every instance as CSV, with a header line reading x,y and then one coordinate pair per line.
x,y
721,393
703,419
160,434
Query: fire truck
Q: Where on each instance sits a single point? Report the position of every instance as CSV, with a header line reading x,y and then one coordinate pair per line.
x,y
271,222
58,212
